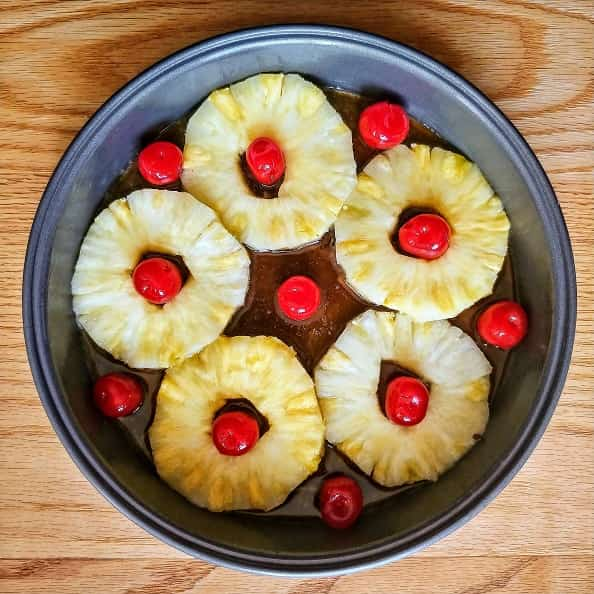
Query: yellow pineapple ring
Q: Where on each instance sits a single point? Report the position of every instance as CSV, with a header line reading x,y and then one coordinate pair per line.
x,y
317,146
264,371
429,178
120,320
442,355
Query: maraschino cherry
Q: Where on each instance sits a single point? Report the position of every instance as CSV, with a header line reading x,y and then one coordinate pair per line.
x,y
341,501
117,394
383,125
299,298
265,161
425,236
160,163
157,279
406,401
503,324
235,433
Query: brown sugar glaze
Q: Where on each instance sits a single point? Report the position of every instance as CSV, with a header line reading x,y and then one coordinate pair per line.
x,y
310,338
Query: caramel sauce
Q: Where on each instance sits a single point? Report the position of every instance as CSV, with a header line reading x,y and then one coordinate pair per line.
x,y
310,338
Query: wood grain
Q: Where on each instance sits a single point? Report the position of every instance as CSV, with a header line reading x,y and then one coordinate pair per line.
x,y
60,60
462,575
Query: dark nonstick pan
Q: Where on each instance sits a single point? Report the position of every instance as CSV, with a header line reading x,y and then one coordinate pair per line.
x,y
540,252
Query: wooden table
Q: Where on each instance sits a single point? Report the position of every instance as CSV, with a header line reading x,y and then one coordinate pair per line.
x,y
60,60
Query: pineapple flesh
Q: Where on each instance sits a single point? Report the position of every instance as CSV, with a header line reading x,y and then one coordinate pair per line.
x,y
317,146
120,320
264,371
440,354
422,177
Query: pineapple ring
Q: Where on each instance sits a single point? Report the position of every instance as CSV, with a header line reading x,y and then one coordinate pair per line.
x,y
422,177
265,371
347,381
317,146
120,320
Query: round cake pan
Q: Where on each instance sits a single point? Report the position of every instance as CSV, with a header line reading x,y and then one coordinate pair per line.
x,y
539,248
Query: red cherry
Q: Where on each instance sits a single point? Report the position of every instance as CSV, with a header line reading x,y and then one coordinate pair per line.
x,y
407,399
383,125
503,324
235,433
160,163
117,394
158,280
341,501
425,236
299,297
265,161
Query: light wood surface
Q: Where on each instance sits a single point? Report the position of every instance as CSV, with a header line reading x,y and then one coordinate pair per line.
x,y
60,60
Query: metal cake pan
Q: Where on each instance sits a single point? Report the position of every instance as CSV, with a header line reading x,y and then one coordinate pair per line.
x,y
540,250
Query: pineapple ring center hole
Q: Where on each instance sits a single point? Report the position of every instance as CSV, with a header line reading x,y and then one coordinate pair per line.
x,y
259,190
245,406
390,370
177,260
406,215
